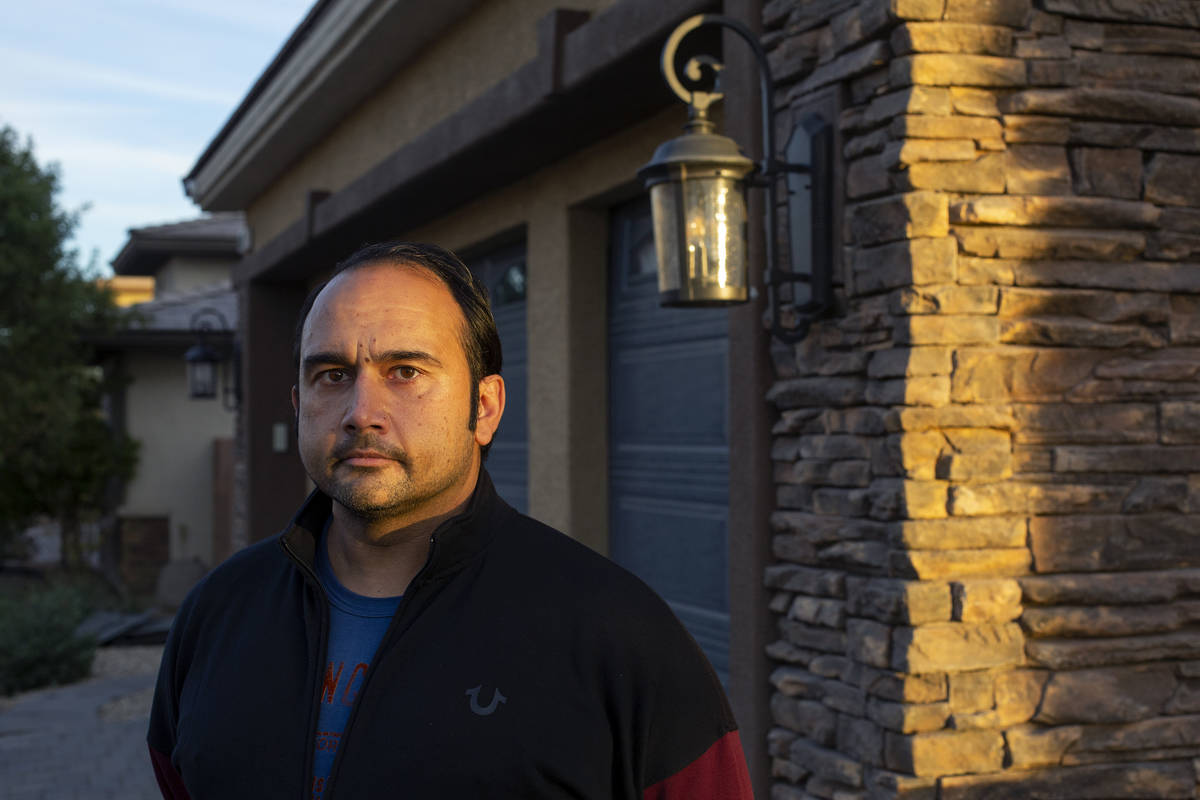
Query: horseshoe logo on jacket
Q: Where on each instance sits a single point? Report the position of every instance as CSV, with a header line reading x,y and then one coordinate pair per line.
x,y
490,708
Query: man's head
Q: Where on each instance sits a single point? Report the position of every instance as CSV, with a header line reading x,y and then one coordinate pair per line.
x,y
480,338
398,391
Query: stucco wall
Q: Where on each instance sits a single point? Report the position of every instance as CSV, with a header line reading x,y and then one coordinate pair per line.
x,y
564,212
174,476
183,274
459,66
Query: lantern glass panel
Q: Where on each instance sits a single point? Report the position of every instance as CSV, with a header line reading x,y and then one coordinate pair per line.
x,y
202,379
664,209
716,243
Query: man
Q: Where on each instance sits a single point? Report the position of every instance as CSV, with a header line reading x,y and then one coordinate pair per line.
x,y
410,634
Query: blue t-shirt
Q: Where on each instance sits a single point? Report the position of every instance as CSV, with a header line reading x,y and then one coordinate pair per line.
x,y
356,626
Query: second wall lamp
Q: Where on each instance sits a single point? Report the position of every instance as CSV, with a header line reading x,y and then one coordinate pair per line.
x,y
697,185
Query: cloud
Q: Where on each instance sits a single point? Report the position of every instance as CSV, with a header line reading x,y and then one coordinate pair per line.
x,y
66,72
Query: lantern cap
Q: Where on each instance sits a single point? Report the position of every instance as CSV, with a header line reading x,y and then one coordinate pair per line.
x,y
698,148
201,352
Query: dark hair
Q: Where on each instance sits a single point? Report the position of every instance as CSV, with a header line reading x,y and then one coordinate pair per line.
x,y
479,337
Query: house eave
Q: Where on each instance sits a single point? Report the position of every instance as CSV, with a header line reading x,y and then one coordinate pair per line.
x,y
338,56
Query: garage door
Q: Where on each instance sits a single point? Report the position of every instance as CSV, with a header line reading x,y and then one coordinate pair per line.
x,y
503,273
669,444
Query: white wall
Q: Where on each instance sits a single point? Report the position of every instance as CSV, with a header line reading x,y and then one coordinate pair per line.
x,y
174,474
183,274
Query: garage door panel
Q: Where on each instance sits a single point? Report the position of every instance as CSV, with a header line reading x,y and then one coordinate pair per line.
x,y
668,439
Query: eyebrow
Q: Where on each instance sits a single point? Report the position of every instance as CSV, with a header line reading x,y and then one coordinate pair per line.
x,y
387,357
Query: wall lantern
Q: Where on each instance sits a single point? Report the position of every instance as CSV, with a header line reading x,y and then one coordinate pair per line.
x,y
697,185
205,361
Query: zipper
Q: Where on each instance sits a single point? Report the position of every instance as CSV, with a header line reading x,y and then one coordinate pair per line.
x,y
389,638
322,652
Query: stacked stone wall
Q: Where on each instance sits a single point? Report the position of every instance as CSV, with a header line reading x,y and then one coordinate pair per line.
x,y
986,548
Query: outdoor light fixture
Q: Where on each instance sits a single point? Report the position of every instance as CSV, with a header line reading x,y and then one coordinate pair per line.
x,y
697,186
205,361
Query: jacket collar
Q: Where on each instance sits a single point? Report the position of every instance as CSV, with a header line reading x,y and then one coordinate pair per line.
x,y
456,540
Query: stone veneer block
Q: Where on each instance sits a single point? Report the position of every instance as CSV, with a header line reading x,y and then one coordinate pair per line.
x,y
908,717
912,215
946,329
1075,423
1086,304
1164,781
956,70
1169,12
955,647
949,564
916,262
1106,696
827,763
1011,13
972,692
1054,243
1044,211
1134,275
1107,172
1114,542
1171,180
960,533
985,174
854,62
898,601
1157,586
1037,169
987,600
1077,653
909,362
957,416
918,151
1109,104
945,752
922,126
911,100
868,642
948,37
917,9
1180,422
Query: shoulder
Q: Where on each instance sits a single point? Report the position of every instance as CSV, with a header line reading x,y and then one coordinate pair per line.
x,y
552,568
249,571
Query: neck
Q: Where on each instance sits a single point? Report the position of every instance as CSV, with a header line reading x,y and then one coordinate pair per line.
x,y
379,558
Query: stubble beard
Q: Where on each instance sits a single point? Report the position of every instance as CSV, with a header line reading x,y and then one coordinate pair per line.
x,y
379,493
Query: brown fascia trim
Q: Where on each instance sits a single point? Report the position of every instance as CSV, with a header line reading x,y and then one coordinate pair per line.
x,y
607,78
165,341
143,255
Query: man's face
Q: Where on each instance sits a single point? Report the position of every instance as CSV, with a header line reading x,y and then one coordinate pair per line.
x,y
384,394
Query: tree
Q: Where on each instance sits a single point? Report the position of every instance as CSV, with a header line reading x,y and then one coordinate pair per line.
x,y
58,456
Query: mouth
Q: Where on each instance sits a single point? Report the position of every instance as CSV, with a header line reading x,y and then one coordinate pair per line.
x,y
365,458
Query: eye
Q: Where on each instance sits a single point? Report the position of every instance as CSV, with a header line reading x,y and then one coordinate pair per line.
x,y
406,372
333,376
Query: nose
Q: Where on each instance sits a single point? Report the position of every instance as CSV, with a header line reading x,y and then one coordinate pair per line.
x,y
366,405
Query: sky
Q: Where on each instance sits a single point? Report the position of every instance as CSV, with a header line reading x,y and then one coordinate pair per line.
x,y
125,95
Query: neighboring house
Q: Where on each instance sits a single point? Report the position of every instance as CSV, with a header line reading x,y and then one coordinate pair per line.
x,y
946,545
178,505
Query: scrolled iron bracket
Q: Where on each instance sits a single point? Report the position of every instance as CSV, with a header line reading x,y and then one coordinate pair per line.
x,y
699,87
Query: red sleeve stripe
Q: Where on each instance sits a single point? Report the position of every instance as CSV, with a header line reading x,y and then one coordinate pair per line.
x,y
719,774
170,782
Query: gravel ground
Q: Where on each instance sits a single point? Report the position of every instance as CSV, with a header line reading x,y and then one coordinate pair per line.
x,y
114,662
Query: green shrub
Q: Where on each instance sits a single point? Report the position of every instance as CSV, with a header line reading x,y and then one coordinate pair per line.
x,y
38,646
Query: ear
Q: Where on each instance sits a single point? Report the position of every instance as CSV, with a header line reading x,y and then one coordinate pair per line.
x,y
295,400
491,409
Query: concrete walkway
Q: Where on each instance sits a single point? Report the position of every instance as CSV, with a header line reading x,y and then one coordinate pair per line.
x,y
87,740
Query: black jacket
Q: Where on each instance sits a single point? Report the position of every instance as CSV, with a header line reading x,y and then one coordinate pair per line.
x,y
606,695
